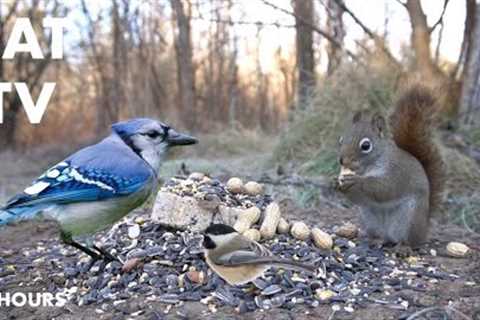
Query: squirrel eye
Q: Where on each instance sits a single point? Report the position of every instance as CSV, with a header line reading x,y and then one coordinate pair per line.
x,y
365,145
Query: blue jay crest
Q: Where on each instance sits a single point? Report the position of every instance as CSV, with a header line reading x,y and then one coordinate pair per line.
x,y
130,127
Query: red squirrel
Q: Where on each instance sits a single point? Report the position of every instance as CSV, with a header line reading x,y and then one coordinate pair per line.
x,y
394,173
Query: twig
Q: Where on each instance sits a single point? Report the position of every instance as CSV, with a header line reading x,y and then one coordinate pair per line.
x,y
465,223
445,309
332,315
328,10
461,314
474,246
421,312
369,32
243,22
402,3
439,43
467,34
440,19
10,13
323,33
292,181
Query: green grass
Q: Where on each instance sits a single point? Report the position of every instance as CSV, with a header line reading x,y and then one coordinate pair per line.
x,y
466,213
310,141
307,196
473,137
230,143
323,164
230,151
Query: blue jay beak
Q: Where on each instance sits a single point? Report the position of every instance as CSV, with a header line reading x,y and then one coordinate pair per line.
x,y
179,139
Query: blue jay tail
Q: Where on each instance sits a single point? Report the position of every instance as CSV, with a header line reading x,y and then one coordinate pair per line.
x,y
16,214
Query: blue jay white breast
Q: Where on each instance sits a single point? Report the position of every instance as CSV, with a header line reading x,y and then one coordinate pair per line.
x,y
89,217
98,185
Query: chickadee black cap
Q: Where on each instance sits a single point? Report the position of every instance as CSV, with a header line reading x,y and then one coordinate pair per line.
x,y
218,229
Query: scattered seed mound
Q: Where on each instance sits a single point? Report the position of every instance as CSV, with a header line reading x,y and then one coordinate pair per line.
x,y
166,266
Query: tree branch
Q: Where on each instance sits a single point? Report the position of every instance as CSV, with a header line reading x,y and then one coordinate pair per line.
x,y
402,3
243,22
440,19
323,33
467,35
439,43
370,33
10,13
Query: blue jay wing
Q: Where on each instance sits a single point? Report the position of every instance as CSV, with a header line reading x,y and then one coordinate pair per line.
x,y
65,183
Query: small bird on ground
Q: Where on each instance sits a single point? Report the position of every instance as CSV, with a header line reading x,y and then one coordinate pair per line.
x,y
98,185
239,260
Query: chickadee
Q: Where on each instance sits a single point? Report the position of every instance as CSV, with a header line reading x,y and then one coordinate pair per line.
x,y
237,259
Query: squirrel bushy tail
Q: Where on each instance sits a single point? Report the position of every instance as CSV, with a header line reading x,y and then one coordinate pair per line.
x,y
412,128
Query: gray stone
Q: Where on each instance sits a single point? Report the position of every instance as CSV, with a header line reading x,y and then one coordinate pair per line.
x,y
181,212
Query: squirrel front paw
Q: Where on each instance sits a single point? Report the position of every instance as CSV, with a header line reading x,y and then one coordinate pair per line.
x,y
346,181
400,250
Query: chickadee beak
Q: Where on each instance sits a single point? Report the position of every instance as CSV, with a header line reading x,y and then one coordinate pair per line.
x,y
179,139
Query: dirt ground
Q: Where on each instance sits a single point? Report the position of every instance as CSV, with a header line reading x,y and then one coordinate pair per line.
x,y
459,299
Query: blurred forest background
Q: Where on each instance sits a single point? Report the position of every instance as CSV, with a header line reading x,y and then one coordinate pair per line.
x,y
253,75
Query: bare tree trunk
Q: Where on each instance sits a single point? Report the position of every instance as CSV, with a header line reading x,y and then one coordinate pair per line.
x,y
261,90
9,125
470,99
22,68
336,28
288,75
209,76
421,41
303,10
119,60
7,128
219,52
185,68
106,109
464,56
233,83
470,24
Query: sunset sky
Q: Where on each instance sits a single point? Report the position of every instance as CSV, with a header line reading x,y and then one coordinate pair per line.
x,y
371,12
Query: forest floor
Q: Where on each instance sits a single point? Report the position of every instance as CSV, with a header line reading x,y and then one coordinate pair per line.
x,y
442,299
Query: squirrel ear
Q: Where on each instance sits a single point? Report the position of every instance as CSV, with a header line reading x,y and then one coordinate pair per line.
x,y
357,116
379,124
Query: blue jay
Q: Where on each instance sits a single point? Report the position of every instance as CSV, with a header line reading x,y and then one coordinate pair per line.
x,y
98,185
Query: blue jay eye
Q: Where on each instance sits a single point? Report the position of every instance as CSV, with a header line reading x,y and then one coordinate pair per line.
x,y
153,134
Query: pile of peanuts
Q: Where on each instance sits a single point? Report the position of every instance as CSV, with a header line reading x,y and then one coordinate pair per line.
x,y
273,222
252,224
